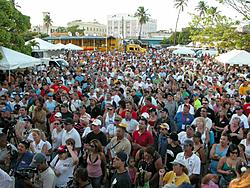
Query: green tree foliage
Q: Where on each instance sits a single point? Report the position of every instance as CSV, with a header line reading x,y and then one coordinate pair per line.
x,y
179,4
75,29
12,27
48,22
201,8
182,37
218,31
241,6
143,17
61,29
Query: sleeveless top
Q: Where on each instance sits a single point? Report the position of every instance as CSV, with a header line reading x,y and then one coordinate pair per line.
x,y
214,163
94,167
234,139
227,168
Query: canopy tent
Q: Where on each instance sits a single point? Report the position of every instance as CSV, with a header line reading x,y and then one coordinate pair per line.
x,y
239,57
174,47
184,51
73,47
207,52
12,60
61,46
42,45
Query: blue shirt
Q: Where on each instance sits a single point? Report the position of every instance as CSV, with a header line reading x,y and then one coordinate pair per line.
x,y
25,160
182,120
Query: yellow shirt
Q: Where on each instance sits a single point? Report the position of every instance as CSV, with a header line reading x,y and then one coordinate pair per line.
x,y
171,178
243,89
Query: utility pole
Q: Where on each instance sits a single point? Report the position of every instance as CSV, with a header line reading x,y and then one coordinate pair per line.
x,y
123,33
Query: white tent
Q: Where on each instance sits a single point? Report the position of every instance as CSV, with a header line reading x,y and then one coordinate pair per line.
x,y
61,46
73,47
42,45
174,47
239,57
184,51
12,60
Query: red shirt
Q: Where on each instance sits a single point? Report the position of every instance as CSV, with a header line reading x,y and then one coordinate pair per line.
x,y
134,114
146,108
246,109
145,139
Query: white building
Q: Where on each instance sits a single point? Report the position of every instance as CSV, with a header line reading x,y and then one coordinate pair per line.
x,y
90,28
127,26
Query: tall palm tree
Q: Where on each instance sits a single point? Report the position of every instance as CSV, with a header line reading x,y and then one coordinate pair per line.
x,y
47,22
214,12
34,44
179,4
202,8
143,18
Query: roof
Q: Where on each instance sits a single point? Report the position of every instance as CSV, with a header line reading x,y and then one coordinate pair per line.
x,y
75,37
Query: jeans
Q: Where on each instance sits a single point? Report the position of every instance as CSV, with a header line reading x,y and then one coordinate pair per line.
x,y
96,182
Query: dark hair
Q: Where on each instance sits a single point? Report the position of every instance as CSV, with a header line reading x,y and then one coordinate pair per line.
x,y
231,148
81,173
150,150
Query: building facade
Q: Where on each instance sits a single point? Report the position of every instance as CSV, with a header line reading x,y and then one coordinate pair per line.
x,y
90,28
127,26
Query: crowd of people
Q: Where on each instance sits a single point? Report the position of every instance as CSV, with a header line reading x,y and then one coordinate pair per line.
x,y
126,120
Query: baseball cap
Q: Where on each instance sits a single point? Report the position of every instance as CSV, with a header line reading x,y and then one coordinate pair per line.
x,y
173,136
179,161
164,110
118,118
122,125
69,121
97,122
58,115
164,126
38,158
188,143
122,156
62,149
145,115
50,95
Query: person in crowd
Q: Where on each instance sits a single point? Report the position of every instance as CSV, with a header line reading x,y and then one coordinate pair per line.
x,y
96,133
50,103
171,106
217,152
183,118
186,103
203,114
96,164
227,165
210,181
63,165
38,145
121,177
200,151
209,111
186,135
5,180
94,109
70,132
246,143
192,161
130,121
239,113
39,115
221,121
108,120
234,131
142,137
81,178
161,142
203,130
56,135
177,176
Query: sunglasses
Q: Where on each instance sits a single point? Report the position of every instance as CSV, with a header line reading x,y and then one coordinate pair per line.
x,y
163,129
56,123
110,109
234,152
203,111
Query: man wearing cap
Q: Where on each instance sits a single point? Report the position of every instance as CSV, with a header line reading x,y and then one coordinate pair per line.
x,y
162,140
46,177
121,177
96,133
243,117
70,132
186,102
94,109
120,142
132,123
183,118
186,135
192,161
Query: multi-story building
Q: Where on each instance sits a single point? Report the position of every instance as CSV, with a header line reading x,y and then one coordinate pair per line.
x,y
90,28
127,26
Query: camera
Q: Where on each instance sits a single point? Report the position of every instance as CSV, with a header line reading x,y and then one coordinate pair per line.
x,y
25,173
142,165
13,153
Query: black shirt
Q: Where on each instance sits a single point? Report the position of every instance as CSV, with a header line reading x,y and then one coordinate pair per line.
x,y
121,180
172,151
100,136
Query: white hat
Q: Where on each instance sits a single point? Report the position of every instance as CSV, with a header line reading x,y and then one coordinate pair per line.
x,y
145,115
97,122
179,161
58,115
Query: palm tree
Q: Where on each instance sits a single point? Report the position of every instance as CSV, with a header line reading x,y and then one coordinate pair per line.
x,y
34,43
214,12
179,4
47,22
202,8
143,18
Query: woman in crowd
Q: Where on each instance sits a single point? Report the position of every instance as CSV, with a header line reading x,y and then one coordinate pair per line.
x,y
201,128
227,165
56,134
177,176
50,103
234,131
64,164
109,119
96,164
39,115
38,145
199,150
246,143
221,121
217,152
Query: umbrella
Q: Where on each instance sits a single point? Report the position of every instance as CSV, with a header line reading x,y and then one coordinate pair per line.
x,y
207,52
184,51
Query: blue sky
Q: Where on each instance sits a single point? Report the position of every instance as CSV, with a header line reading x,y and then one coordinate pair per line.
x,y
63,11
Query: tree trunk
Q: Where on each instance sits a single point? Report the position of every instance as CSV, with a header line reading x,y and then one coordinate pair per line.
x,y
139,37
175,30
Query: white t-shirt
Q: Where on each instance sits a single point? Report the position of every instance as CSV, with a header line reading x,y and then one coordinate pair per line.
x,y
247,149
182,136
39,146
71,134
47,178
193,163
65,168
57,137
5,180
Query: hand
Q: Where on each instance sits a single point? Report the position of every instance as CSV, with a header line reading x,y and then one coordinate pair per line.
x,y
70,148
161,172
